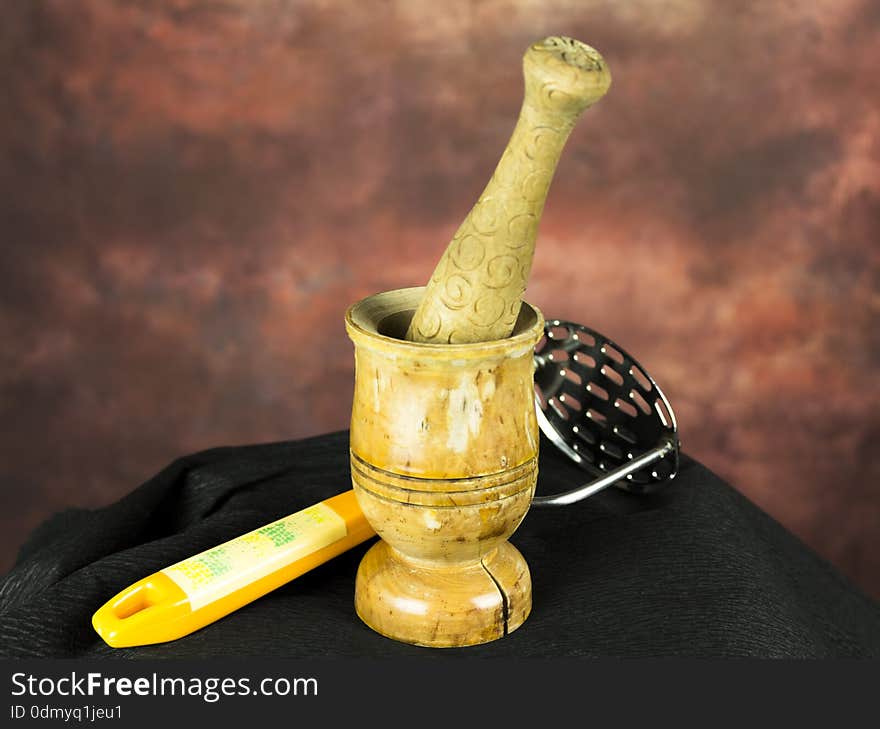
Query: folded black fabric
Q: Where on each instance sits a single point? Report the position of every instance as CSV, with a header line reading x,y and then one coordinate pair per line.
x,y
696,570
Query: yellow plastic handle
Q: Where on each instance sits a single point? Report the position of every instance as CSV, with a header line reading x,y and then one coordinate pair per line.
x,y
165,606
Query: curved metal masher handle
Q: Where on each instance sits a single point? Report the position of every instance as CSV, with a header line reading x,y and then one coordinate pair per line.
x,y
609,479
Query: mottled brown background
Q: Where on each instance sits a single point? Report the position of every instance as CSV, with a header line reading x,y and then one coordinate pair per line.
x,y
191,193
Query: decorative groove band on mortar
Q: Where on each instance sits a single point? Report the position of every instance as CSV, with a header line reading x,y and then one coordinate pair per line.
x,y
444,493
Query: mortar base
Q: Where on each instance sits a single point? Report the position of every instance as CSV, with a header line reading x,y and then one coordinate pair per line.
x,y
447,605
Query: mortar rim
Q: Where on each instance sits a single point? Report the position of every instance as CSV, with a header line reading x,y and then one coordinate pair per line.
x,y
527,338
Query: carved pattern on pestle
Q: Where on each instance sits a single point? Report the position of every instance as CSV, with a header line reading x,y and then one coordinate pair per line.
x,y
475,292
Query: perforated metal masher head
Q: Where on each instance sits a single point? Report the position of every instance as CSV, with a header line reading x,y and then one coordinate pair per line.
x,y
600,407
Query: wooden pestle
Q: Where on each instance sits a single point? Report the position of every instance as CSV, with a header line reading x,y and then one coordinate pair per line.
x,y
476,290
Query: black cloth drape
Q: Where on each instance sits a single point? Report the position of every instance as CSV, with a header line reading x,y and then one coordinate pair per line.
x,y
696,570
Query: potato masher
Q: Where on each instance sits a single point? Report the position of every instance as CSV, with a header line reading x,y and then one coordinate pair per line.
x,y
600,407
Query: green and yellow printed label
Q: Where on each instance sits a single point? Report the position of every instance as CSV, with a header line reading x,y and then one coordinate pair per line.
x,y
222,570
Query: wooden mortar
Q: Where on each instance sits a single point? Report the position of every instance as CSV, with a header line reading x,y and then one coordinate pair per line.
x,y
444,436
444,446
